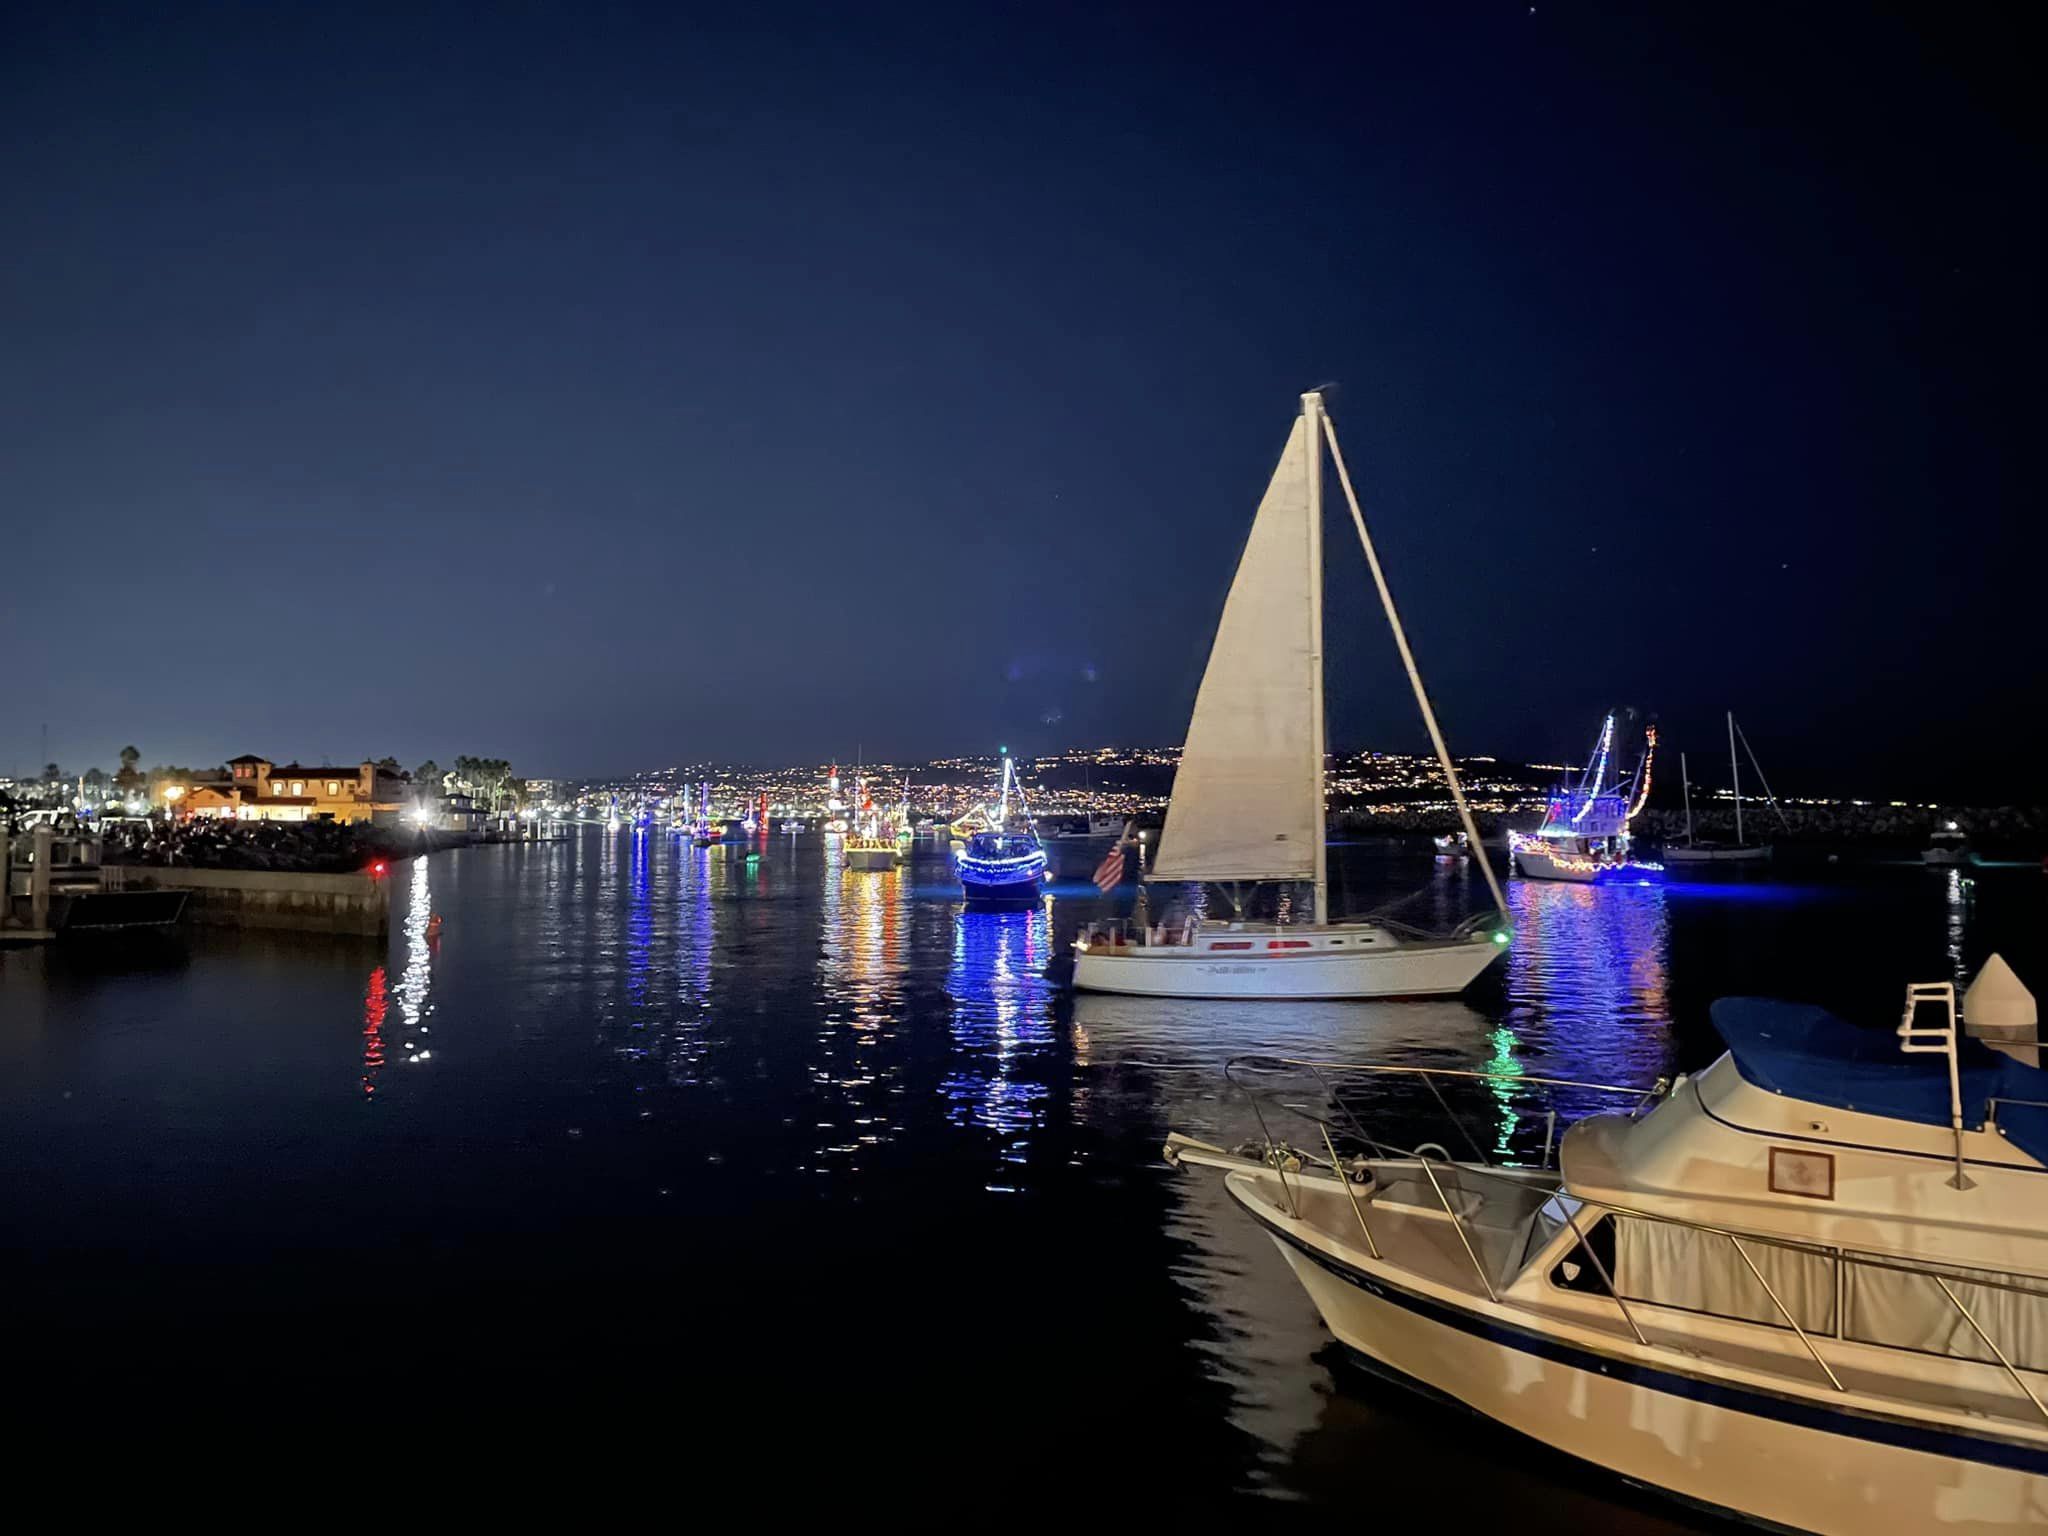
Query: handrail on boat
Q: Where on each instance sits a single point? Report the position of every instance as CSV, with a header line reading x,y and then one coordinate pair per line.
x,y
1278,1151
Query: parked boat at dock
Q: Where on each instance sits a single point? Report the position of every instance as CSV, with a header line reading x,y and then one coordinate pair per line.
x,y
1249,803
1808,1286
54,883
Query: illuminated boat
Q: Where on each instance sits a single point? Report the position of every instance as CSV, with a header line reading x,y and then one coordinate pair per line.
x,y
706,831
1808,1286
1248,802
1003,865
1584,836
1706,850
871,843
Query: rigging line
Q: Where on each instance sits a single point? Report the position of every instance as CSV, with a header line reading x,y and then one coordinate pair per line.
x,y
1443,753
1759,767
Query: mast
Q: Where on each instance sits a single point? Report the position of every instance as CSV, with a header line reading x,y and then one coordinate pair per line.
x,y
1312,414
1686,777
1735,772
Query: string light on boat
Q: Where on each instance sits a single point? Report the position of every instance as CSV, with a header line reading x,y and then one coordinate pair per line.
x,y
1649,756
1599,773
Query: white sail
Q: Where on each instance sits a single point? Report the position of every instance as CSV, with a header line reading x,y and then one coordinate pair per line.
x,y
1247,802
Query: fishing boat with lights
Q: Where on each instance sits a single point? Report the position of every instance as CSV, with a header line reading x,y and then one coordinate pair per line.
x,y
1003,865
1808,1286
871,843
1249,803
1584,837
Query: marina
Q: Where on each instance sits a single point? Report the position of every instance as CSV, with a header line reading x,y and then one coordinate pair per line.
x,y
961,767
647,1037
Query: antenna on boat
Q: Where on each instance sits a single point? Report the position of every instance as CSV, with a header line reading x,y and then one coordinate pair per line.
x,y
1436,736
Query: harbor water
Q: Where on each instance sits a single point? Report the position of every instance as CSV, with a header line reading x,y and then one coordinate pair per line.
x,y
675,1163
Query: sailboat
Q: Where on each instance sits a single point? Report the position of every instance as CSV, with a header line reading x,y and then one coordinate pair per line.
x,y
1248,801
1706,850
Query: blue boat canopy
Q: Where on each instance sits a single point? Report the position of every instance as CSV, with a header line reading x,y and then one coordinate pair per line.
x,y
1807,1053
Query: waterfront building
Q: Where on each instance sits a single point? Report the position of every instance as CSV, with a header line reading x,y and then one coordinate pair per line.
x,y
255,789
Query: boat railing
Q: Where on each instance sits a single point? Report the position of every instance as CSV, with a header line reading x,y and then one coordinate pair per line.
x,y
1427,1157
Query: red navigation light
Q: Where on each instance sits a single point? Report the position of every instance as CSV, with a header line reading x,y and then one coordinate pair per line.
x,y
377,869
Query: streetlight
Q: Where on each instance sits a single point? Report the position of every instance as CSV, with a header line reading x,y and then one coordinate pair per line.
x,y
172,794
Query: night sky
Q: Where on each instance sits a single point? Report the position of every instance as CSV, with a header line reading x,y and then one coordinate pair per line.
x,y
606,388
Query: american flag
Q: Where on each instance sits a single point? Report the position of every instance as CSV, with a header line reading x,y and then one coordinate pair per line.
x,y
1110,872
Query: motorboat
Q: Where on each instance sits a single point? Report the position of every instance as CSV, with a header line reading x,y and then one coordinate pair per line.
x,y
1808,1286
1948,847
1585,833
1249,803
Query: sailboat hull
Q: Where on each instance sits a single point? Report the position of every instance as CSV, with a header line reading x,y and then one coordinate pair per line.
x,y
1376,967
1708,853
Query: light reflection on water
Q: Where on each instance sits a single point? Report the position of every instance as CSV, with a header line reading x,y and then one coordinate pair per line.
x,y
1001,1024
777,1013
416,983
861,966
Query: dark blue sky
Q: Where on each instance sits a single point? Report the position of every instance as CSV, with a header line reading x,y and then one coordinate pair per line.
x,y
603,387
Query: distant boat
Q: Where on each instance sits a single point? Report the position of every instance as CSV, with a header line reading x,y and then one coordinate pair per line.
x,y
1948,848
1004,864
1452,845
1707,851
871,841
1584,837
1249,802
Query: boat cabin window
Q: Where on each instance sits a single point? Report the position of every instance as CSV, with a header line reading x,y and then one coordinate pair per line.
x,y
1905,1309
1666,1265
1576,1270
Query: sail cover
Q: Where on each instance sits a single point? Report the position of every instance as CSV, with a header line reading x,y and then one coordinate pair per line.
x,y
1247,802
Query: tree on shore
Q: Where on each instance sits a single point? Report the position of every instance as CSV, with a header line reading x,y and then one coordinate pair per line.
x,y
129,778
486,776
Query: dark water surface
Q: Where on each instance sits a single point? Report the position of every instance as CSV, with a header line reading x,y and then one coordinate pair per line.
x,y
757,1175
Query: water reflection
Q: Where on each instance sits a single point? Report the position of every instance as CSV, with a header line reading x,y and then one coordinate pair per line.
x,y
1587,985
1959,891
376,1001
861,965
1001,1026
416,982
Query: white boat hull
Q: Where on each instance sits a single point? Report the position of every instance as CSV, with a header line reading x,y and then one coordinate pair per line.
x,y
1535,864
1391,970
1768,1461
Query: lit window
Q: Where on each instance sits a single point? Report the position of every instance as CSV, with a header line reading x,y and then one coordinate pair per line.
x,y
298,786
333,788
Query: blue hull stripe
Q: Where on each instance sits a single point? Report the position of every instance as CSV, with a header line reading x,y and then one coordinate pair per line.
x,y
1761,1404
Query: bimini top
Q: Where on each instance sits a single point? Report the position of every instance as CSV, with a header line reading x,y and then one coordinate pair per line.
x,y
1807,1053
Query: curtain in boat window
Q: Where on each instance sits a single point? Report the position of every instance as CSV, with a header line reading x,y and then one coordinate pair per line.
x,y
1907,1311
1675,1266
